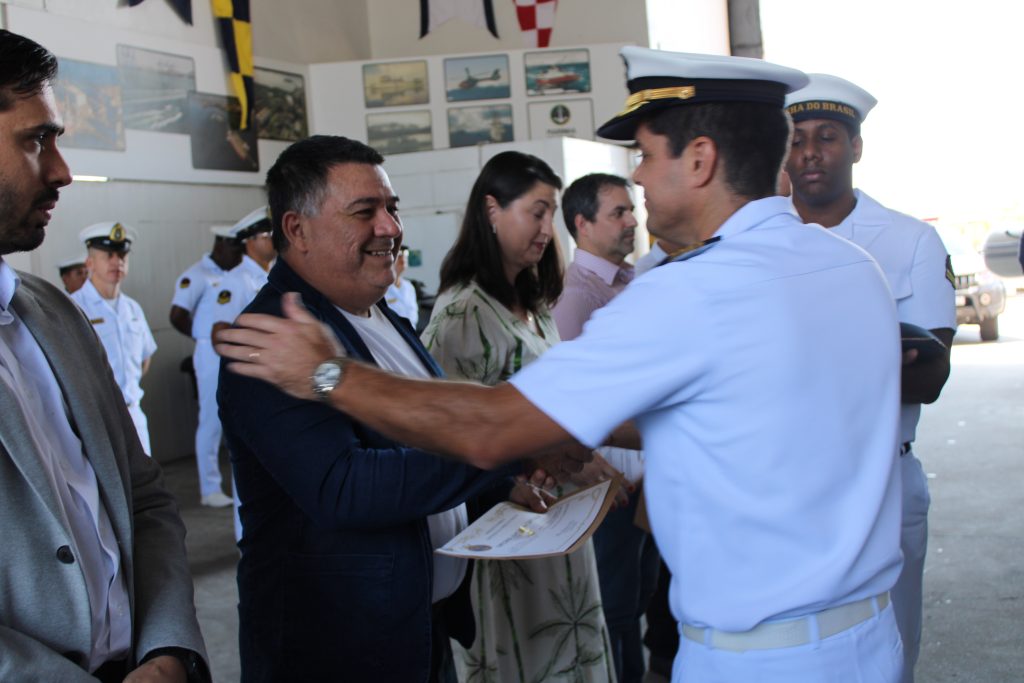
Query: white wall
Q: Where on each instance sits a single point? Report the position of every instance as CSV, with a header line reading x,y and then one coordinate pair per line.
x,y
689,25
338,105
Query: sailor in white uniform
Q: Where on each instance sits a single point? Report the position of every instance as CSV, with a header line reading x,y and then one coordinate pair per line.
x,y
207,367
241,286
827,116
117,318
196,286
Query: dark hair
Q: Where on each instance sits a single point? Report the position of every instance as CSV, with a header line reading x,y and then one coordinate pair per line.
x,y
581,198
25,68
476,254
752,139
298,179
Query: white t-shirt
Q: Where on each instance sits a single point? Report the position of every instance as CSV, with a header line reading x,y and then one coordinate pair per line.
x,y
392,352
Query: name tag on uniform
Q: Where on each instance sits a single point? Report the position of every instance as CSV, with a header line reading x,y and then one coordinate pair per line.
x,y
97,321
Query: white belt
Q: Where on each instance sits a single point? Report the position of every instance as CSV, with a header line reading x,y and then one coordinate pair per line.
x,y
792,632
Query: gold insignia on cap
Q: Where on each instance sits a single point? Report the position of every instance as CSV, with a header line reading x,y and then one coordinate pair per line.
x,y
117,233
224,296
642,97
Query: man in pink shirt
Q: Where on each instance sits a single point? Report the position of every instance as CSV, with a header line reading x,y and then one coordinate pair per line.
x,y
598,211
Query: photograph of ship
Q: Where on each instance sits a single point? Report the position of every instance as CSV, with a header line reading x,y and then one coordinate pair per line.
x,y
477,125
557,71
399,132
476,78
280,110
155,88
89,97
217,144
395,84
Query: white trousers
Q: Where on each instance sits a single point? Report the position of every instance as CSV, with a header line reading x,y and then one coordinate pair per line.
x,y
207,365
141,426
908,592
869,652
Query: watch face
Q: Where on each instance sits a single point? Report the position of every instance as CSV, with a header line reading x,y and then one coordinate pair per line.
x,y
327,374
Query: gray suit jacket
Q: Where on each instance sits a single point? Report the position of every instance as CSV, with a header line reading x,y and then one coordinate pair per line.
x,y
44,607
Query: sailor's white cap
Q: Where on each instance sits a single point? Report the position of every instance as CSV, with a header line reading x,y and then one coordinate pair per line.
x,y
77,260
109,236
831,97
257,221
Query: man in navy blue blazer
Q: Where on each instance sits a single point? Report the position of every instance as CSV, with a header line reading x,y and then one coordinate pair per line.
x,y
337,579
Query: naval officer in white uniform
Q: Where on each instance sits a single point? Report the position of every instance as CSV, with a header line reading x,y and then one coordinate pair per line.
x,y
116,317
827,117
197,284
207,366
761,369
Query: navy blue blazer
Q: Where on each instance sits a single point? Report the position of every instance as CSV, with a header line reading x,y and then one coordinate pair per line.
x,y
335,576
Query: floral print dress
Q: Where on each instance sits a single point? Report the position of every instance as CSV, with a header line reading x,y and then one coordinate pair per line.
x,y
536,620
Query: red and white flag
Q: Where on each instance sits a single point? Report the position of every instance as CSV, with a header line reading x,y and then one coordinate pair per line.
x,y
536,20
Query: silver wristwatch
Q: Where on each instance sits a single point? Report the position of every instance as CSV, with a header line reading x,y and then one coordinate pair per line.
x,y
327,376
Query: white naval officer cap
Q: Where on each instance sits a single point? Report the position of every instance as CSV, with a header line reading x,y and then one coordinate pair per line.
x,y
108,236
257,221
69,263
222,231
658,80
831,97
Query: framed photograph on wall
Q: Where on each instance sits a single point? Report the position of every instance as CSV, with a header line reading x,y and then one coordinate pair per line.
x,y
155,88
399,132
280,110
395,84
557,72
477,125
558,118
217,144
476,78
89,98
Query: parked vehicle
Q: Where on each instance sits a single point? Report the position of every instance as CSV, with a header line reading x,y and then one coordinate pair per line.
x,y
980,295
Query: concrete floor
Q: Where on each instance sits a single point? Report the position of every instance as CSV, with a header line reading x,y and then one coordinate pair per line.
x,y
972,445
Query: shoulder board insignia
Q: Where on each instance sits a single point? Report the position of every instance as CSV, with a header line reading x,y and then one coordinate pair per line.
x,y
96,321
224,296
185,282
950,275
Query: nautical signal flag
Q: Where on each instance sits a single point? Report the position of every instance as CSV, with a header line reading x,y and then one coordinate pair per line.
x,y
433,13
232,16
182,7
536,20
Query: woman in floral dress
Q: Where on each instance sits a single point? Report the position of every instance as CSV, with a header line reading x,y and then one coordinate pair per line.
x,y
536,620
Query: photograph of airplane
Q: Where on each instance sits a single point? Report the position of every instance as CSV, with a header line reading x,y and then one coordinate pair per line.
x,y
554,72
476,78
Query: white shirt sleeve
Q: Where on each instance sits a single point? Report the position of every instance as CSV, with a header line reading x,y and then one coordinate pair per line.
x,y
932,305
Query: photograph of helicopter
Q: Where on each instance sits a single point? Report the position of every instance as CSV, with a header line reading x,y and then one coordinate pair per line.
x,y
476,78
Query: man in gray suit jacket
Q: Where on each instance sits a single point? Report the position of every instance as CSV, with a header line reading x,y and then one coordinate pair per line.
x,y
95,584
